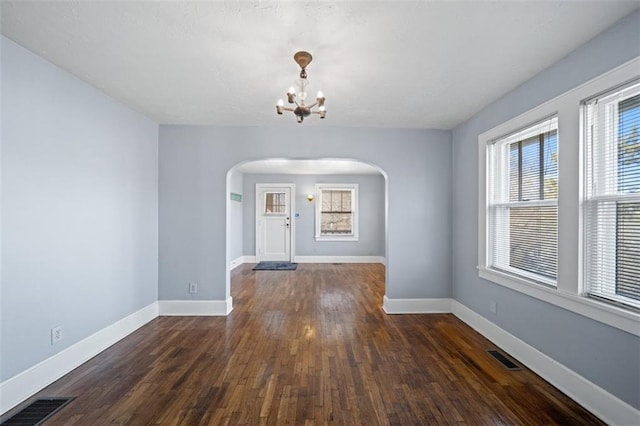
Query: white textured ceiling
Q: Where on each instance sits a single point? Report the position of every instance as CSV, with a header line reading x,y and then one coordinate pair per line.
x,y
411,64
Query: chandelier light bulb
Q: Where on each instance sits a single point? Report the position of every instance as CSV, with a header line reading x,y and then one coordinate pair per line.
x,y
279,106
291,95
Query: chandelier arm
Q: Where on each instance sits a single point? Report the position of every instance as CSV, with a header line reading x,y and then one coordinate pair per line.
x,y
288,109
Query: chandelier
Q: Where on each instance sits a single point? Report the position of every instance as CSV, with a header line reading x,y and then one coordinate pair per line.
x,y
299,96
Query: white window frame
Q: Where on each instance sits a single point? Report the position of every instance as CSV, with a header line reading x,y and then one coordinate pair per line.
x,y
353,187
608,192
569,293
498,178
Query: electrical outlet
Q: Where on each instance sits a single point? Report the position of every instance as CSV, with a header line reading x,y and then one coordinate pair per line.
x,y
493,307
56,334
193,288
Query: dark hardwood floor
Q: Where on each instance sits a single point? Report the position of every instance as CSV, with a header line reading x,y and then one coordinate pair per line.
x,y
311,346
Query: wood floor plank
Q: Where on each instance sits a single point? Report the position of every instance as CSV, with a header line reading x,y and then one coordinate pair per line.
x,y
304,347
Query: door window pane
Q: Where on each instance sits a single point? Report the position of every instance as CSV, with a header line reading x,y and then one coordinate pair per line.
x,y
275,202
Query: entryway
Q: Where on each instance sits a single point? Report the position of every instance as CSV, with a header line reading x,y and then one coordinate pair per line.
x,y
274,227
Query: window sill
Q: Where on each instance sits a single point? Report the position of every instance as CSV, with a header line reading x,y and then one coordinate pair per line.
x,y
614,316
336,238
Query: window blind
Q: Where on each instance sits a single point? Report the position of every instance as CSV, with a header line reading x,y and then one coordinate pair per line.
x,y
612,203
523,203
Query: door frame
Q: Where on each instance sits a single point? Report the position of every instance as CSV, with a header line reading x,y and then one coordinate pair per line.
x,y
292,208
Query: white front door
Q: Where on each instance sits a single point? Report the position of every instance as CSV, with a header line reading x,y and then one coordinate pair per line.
x,y
274,227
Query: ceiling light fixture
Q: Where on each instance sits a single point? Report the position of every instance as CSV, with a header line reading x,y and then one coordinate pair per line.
x,y
298,97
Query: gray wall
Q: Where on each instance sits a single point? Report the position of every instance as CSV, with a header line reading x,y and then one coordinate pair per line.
x,y
194,161
80,206
605,355
371,217
79,209
236,212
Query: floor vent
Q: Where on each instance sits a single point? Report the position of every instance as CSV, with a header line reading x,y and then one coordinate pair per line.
x,y
37,412
504,360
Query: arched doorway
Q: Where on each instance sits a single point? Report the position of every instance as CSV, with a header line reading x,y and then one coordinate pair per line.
x,y
318,167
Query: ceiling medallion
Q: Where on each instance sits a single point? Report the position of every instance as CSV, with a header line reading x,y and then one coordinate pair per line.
x,y
299,96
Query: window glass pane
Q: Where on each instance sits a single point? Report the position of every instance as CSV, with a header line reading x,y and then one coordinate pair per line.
x,y
533,168
275,202
628,250
336,223
629,145
336,201
534,240
336,216
550,159
514,172
326,201
346,201
530,169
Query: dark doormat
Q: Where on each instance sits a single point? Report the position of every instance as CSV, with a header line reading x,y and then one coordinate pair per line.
x,y
38,411
275,266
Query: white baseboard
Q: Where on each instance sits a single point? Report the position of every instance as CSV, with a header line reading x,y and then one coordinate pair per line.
x,y
321,259
601,403
595,399
23,385
235,263
416,306
340,259
195,307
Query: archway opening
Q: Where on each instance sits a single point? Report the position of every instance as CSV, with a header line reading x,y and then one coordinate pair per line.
x,y
240,201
